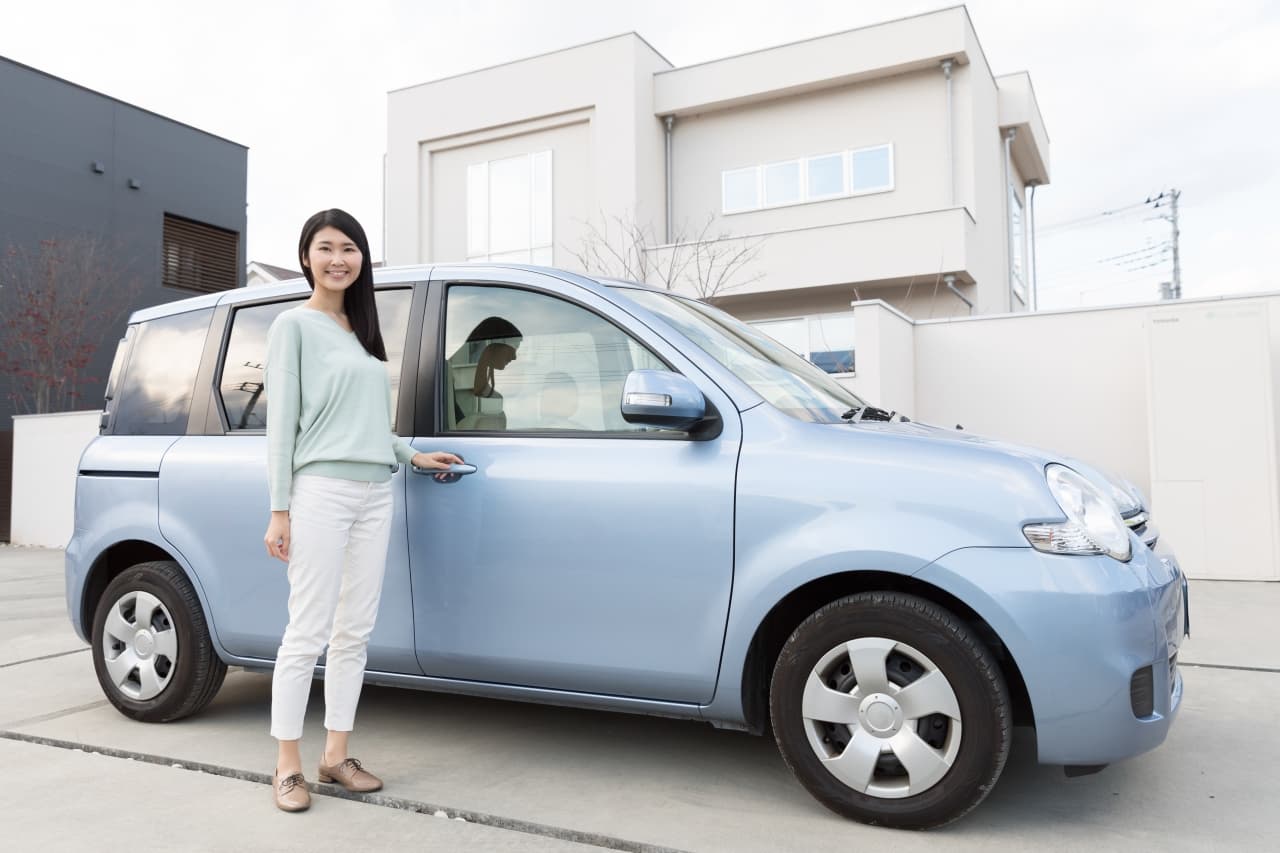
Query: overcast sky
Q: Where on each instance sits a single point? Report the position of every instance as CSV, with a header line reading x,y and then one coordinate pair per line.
x,y
1138,97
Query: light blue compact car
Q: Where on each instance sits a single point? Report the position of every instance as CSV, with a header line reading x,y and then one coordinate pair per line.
x,y
663,511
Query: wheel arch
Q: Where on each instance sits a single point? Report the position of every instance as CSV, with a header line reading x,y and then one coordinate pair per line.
x,y
772,633
123,555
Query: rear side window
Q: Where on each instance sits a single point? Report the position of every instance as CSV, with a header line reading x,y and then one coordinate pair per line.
x,y
154,397
243,397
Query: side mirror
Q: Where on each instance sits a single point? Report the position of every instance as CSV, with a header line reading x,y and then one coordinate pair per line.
x,y
662,399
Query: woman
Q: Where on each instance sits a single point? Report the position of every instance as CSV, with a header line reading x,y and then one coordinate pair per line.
x,y
330,456
500,339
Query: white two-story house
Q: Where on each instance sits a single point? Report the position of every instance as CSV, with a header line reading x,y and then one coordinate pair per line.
x,y
886,162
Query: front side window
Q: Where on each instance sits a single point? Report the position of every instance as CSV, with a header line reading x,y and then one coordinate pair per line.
x,y
788,382
240,385
519,361
154,397
509,209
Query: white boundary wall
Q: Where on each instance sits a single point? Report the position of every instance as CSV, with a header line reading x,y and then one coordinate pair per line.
x,y
1178,397
46,455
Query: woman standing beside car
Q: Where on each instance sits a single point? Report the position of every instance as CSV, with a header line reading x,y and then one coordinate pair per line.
x,y
330,454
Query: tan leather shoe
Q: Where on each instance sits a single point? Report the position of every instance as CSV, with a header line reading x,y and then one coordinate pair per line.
x,y
291,792
350,775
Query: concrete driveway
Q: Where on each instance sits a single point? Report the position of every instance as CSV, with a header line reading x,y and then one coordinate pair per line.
x,y
471,774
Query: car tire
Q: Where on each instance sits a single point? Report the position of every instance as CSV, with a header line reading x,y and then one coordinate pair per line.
x,y
151,647
876,751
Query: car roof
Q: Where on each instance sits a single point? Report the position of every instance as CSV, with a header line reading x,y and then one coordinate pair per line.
x,y
382,276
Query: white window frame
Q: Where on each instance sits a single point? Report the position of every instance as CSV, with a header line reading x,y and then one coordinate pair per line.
x,y
807,319
846,190
536,252
801,182
1017,239
870,190
758,174
844,176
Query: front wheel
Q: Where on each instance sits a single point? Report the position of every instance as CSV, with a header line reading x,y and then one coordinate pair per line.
x,y
891,711
151,646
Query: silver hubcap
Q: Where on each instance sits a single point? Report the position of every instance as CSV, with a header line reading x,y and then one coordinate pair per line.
x,y
140,645
882,717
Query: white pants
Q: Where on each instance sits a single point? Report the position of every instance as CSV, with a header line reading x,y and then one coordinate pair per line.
x,y
339,531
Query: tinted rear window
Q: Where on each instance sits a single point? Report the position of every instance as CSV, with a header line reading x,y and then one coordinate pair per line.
x,y
155,395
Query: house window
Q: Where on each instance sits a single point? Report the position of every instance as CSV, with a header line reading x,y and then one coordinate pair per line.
x,y
824,339
871,169
825,176
740,189
782,183
509,209
1016,236
199,257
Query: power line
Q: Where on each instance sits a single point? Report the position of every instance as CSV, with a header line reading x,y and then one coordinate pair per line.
x,y
1055,226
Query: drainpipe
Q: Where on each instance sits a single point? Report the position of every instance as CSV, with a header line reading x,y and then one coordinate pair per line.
x,y
1035,283
951,134
950,281
670,122
1008,217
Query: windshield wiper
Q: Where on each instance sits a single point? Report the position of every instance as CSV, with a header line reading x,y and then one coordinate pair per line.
x,y
871,413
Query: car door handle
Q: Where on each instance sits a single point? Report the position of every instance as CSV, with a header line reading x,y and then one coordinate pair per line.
x,y
458,470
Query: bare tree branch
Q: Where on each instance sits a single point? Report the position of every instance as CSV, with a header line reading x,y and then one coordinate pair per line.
x,y
58,298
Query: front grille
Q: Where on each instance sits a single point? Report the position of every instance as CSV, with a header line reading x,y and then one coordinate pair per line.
x,y
1140,523
1173,672
1142,692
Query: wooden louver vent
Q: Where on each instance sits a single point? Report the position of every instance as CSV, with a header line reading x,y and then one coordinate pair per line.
x,y
199,257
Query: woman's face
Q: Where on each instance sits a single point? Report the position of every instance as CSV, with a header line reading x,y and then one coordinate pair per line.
x,y
333,259
504,356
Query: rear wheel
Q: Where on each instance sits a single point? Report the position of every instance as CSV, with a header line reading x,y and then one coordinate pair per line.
x,y
890,711
151,647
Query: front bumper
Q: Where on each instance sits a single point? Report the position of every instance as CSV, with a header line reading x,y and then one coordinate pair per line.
x,y
1078,630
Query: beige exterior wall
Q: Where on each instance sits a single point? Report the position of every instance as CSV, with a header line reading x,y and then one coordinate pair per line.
x,y
602,79
907,111
567,137
600,108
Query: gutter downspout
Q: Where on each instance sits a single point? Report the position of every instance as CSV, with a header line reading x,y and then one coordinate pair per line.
x,y
670,122
1008,208
1035,284
951,134
951,285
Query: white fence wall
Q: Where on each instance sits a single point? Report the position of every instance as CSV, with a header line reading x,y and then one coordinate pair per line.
x,y
1178,397
46,453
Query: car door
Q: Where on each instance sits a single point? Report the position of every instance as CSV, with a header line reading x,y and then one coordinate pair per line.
x,y
584,553
214,505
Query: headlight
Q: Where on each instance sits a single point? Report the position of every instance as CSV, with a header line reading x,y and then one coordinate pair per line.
x,y
1093,525
1126,495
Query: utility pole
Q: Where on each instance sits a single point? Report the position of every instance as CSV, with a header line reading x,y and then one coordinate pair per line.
x,y
1170,197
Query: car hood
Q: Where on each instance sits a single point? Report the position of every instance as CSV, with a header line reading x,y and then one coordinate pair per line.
x,y
941,436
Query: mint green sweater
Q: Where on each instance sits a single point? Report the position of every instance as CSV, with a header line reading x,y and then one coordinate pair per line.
x,y
328,406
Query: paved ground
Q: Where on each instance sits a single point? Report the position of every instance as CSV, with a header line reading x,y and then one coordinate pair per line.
x,y
526,777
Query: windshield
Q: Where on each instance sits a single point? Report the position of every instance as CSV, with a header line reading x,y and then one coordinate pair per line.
x,y
791,384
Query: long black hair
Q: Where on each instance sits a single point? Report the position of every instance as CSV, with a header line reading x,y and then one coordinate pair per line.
x,y
357,300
